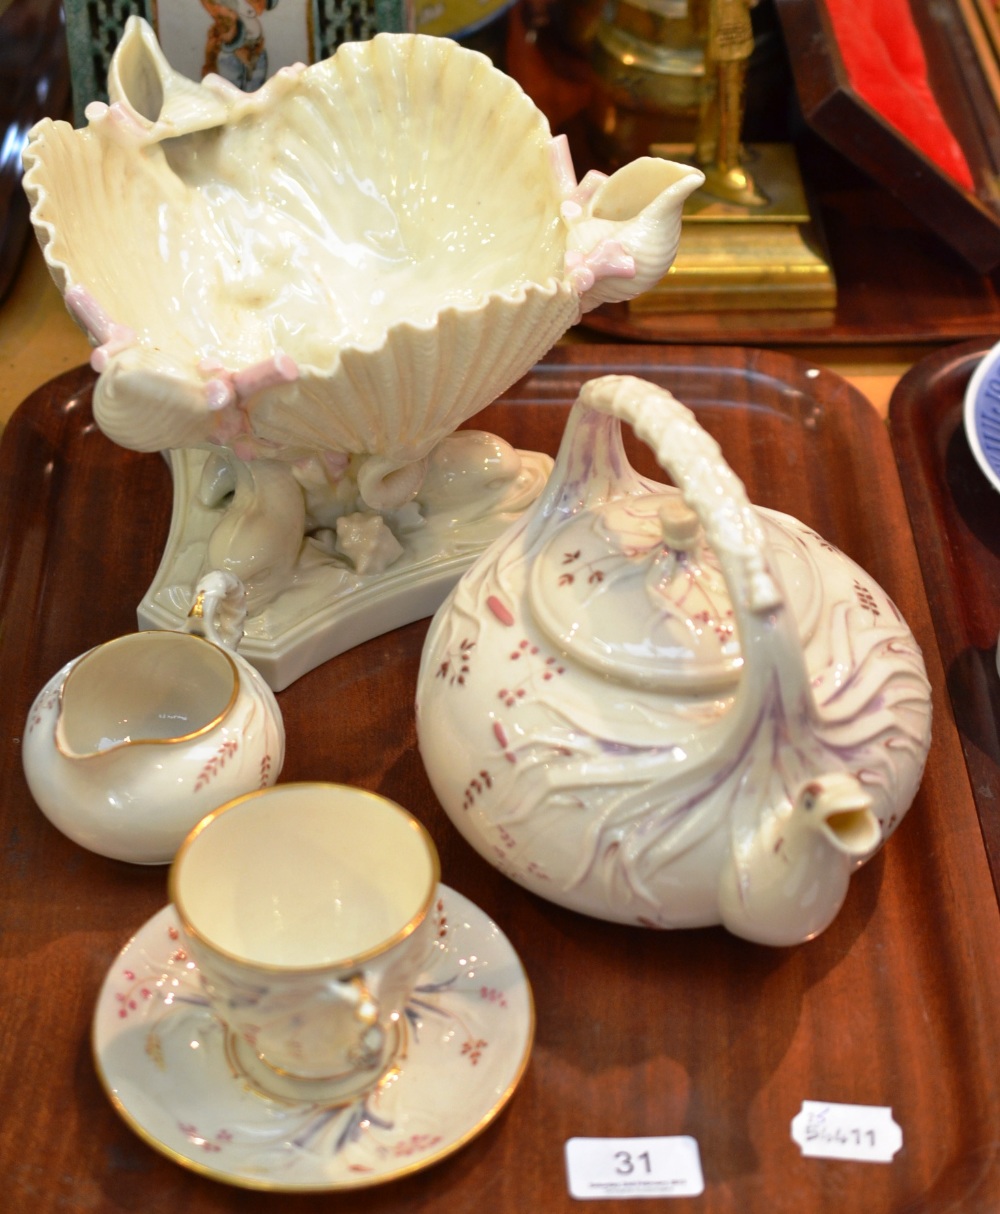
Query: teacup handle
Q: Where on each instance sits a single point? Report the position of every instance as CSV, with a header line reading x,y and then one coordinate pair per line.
x,y
219,609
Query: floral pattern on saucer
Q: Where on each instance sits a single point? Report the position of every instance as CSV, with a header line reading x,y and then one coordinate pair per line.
x,y
171,1069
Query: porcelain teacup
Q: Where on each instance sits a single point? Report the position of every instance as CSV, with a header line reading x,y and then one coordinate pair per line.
x,y
306,909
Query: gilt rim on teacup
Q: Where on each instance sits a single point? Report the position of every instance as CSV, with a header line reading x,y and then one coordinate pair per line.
x,y
333,964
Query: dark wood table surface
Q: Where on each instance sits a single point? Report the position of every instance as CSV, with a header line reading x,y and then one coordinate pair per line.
x,y
638,1033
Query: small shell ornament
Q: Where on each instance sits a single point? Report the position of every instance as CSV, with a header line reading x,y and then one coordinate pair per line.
x,y
662,706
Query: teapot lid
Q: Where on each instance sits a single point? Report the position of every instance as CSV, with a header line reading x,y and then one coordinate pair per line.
x,y
633,590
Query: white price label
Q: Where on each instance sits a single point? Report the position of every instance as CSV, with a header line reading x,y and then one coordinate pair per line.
x,y
633,1167
862,1132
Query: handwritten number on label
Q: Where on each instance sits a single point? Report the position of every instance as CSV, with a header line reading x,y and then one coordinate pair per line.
x,y
864,1133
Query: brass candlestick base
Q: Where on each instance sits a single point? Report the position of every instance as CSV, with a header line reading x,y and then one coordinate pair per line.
x,y
758,255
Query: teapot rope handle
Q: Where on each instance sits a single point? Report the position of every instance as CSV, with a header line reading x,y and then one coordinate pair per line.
x,y
695,462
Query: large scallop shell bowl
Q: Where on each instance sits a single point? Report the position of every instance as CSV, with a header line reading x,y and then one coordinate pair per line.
x,y
354,259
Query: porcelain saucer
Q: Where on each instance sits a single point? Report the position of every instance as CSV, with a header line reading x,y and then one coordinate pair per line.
x,y
171,1071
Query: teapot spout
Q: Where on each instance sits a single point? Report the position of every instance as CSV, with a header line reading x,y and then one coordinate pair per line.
x,y
625,229
847,820
790,879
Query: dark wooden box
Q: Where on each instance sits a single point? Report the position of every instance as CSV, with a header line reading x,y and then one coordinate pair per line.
x,y
965,83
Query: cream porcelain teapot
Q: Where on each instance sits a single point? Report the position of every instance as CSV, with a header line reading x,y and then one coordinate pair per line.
x,y
663,706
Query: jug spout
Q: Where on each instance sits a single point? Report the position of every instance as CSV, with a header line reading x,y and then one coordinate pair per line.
x,y
624,230
141,691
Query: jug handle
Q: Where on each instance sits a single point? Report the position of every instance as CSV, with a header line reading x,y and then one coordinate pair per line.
x,y
219,609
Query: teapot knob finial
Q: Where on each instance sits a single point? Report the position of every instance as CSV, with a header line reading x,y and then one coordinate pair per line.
x,y
679,524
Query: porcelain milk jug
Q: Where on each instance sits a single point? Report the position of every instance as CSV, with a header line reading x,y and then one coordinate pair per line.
x,y
130,745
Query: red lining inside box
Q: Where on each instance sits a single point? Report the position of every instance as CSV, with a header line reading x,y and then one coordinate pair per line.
x,y
885,59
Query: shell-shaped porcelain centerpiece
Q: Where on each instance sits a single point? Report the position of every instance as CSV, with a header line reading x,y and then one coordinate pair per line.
x,y
328,276
659,705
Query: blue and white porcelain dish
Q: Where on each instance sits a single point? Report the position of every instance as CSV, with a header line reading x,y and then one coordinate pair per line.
x,y
982,415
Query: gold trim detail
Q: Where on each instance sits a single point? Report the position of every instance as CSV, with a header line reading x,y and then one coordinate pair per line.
x,y
116,642
262,1184
344,963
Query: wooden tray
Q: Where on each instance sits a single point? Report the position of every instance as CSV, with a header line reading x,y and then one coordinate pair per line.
x,y
956,513
638,1033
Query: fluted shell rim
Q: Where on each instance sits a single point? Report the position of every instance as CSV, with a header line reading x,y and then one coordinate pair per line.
x,y
242,105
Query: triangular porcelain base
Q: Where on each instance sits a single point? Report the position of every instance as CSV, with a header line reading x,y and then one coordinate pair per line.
x,y
325,606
